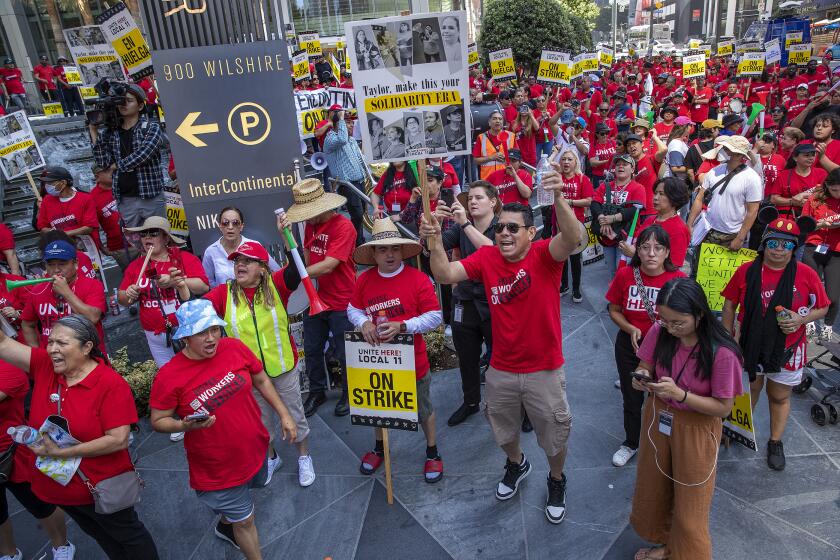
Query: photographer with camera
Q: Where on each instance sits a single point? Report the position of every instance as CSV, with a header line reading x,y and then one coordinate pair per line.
x,y
344,160
130,146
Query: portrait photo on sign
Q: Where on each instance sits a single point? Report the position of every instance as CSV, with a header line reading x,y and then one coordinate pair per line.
x,y
366,48
405,44
450,33
11,125
435,139
454,129
378,138
386,40
85,36
415,139
394,147
428,30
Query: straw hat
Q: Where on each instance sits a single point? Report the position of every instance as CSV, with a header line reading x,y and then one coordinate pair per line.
x,y
311,200
157,222
735,144
385,233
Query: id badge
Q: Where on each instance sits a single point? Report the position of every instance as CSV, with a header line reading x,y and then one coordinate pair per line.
x,y
697,106
169,307
458,313
395,207
666,421
822,249
545,132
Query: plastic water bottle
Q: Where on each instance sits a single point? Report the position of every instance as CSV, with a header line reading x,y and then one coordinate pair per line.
x,y
544,197
782,314
380,319
25,435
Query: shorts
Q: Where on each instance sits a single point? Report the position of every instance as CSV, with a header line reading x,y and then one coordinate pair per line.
x,y
287,386
542,393
23,492
235,503
424,397
784,377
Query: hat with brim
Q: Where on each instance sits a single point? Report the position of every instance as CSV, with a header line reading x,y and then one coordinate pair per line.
x,y
639,122
731,119
252,250
669,109
157,222
735,144
710,124
312,200
196,316
386,234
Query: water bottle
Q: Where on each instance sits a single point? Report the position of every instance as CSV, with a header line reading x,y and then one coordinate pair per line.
x,y
25,435
380,319
544,197
782,314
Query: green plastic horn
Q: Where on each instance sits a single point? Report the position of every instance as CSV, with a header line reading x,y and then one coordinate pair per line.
x,y
12,284
651,117
757,108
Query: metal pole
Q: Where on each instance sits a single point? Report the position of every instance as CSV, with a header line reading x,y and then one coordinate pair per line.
x,y
650,28
614,24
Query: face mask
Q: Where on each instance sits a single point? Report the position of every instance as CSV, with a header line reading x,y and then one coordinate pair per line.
x,y
723,157
52,190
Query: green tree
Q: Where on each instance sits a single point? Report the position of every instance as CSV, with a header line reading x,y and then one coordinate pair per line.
x,y
529,26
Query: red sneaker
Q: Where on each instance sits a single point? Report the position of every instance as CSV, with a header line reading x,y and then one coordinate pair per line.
x,y
433,470
370,462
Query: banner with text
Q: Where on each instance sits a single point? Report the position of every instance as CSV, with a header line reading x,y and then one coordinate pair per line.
x,y
716,266
19,150
120,29
751,64
412,87
694,65
554,68
502,67
310,41
799,53
93,54
312,105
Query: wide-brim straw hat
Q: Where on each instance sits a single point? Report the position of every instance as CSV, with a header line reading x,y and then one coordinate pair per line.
x,y
385,233
735,144
158,222
312,200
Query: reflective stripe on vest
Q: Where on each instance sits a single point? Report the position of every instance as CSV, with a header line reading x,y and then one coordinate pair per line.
x,y
488,149
265,331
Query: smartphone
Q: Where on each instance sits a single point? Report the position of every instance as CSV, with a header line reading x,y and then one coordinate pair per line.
x,y
197,417
447,197
639,376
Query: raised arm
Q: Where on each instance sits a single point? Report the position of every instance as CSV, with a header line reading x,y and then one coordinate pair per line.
x,y
444,271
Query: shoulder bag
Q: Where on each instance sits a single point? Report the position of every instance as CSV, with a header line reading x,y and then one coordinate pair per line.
x,y
7,461
640,285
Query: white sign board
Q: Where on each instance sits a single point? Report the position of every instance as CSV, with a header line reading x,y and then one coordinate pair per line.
x,y
19,150
93,54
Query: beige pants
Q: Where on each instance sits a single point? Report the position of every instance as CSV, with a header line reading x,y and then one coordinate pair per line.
x,y
288,387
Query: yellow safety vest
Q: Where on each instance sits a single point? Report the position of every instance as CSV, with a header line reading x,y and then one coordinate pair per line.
x,y
264,331
488,149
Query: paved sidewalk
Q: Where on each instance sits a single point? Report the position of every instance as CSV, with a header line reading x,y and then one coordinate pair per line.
x,y
757,513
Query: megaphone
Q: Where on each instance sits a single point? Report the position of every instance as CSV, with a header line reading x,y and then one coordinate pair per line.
x,y
12,284
302,147
318,161
756,109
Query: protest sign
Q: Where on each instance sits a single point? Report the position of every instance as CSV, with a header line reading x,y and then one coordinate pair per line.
x,y
122,32
53,109
501,65
605,56
799,53
554,68
725,48
413,104
300,66
312,105
694,65
588,62
472,54
707,50
739,426
792,37
335,67
751,64
772,52
88,93
94,55
576,66
72,76
694,43
19,150
716,266
594,251
310,41
175,210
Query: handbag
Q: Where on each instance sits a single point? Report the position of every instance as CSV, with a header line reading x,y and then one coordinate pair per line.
x,y
7,461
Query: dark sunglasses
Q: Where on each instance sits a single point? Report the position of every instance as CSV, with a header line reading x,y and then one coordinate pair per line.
x,y
150,233
512,228
786,245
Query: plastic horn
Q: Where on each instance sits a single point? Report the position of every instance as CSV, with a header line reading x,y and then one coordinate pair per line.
x,y
12,284
761,124
631,236
315,304
756,109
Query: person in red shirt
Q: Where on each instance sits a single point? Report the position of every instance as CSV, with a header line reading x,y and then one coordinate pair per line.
x,y
601,153
45,78
771,162
521,279
393,190
632,307
97,408
148,86
328,243
11,78
390,298
775,297
663,127
826,127
577,190
534,89
601,115
701,97
669,195
66,208
526,128
678,101
108,215
662,89
795,184
633,89
797,105
644,174
7,249
68,293
210,386
789,82
589,97
512,110
513,183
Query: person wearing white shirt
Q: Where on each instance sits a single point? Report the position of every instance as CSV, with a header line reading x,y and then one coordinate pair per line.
x,y
215,261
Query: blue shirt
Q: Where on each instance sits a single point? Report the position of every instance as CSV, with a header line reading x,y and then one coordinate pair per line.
x,y
342,154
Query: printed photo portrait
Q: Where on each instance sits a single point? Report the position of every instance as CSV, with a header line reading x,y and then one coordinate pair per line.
x,y
405,43
366,48
454,128
428,30
386,40
379,141
415,138
395,136
450,33
433,131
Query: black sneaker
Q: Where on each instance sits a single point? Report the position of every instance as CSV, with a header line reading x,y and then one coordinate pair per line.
x,y
577,297
225,532
555,506
514,474
342,407
463,412
313,401
775,455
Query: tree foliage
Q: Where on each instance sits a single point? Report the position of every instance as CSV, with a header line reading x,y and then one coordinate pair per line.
x,y
529,26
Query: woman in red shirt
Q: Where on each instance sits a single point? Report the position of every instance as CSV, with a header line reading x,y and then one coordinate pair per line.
x,y
526,128
577,189
826,127
632,296
797,181
393,190
95,405
545,137
669,195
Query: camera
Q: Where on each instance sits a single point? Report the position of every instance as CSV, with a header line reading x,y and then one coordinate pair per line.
x,y
105,108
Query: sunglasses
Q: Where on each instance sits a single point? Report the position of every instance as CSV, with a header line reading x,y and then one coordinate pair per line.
x,y
786,245
512,228
234,223
244,260
150,233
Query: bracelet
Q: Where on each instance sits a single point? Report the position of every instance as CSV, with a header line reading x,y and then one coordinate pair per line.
x,y
466,225
684,396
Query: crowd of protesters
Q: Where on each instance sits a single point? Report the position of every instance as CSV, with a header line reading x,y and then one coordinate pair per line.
x,y
657,164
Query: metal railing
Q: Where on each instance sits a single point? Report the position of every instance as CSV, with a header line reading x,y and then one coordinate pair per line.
x,y
404,230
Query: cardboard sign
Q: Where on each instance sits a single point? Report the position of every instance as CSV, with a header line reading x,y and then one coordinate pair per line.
x,y
554,68
381,382
726,48
175,210
772,52
300,65
472,54
94,55
72,76
312,105
119,28
715,268
589,62
792,38
410,74
594,251
739,426
501,65
799,54
53,109
88,93
707,50
577,61
694,66
310,41
605,56
751,64
19,150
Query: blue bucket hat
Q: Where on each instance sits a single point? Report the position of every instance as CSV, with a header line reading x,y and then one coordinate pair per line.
x,y
59,250
196,316
567,116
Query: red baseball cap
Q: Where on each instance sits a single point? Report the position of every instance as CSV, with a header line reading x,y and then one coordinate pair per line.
x,y
336,107
251,250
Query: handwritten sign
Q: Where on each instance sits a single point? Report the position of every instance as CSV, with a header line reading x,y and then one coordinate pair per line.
x,y
715,268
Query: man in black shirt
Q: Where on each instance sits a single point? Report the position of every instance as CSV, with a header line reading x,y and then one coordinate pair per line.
x,y
709,130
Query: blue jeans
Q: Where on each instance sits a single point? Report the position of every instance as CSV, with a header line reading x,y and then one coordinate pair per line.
x,y
544,148
316,331
611,256
458,165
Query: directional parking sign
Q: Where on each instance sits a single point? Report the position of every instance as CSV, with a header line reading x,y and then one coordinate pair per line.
x,y
233,132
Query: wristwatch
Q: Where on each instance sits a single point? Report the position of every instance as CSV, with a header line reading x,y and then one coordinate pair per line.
x,y
403,327
466,225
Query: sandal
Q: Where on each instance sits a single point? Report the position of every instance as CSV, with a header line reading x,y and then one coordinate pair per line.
x,y
433,467
370,462
645,553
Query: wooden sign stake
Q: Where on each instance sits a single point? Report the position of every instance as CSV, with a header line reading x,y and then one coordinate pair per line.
x,y
35,190
389,485
424,191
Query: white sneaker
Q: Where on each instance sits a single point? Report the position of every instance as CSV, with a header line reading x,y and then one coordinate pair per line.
x,y
447,332
306,471
811,330
623,455
17,556
273,465
66,552
176,436
827,333
617,383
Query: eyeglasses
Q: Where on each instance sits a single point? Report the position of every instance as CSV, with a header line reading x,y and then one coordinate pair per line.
x,y
244,260
234,223
656,249
603,110
673,325
512,228
150,233
786,245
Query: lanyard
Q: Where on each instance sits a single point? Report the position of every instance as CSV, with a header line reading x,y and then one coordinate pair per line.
x,y
682,369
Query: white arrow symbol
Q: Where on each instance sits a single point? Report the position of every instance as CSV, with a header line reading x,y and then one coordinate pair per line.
x,y
188,129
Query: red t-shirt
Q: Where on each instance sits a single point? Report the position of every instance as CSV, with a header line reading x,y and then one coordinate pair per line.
x,y
796,106
231,451
624,293
527,145
663,130
544,134
506,185
522,294
335,238
629,194
832,151
594,97
788,86
43,306
86,266
700,111
15,299
808,293
396,199
790,183
535,90
677,232
15,385
13,79
101,401
151,317
79,211
108,216
408,294
45,72
575,188
603,152
646,176
7,241
829,210
772,165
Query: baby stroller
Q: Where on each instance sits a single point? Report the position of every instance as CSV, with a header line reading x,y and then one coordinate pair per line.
x,y
826,381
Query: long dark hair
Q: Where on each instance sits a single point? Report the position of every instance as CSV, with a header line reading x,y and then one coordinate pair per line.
x,y
388,178
659,235
685,295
